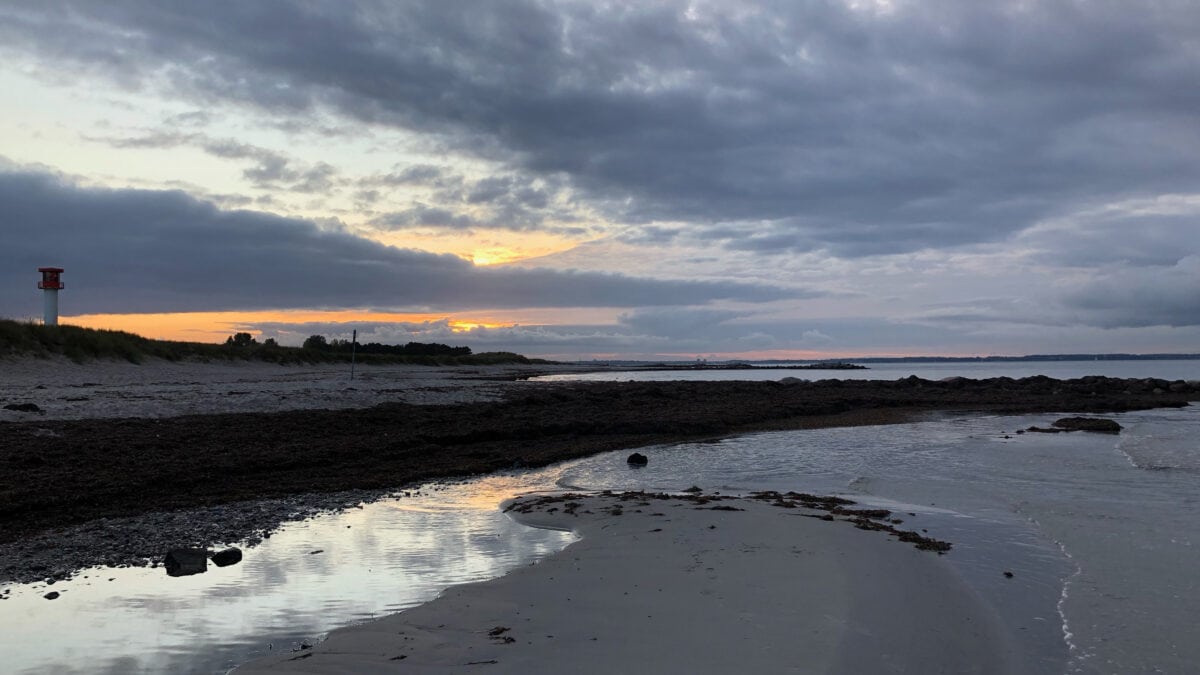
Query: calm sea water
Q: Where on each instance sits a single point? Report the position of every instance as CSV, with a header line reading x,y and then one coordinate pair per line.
x,y
1166,370
1101,533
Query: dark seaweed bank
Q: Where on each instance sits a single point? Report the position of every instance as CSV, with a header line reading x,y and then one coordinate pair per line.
x,y
60,473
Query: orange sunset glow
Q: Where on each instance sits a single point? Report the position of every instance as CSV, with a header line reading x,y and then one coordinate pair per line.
x,y
481,249
216,326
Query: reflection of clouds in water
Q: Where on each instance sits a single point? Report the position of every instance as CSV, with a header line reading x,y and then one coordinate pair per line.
x,y
393,555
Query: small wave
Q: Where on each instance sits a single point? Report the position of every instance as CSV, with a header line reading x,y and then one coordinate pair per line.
x,y
1169,468
860,483
565,483
1077,655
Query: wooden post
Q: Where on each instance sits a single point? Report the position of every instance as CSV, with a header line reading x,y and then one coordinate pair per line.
x,y
353,344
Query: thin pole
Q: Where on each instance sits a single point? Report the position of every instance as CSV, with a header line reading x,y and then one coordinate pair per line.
x,y
353,344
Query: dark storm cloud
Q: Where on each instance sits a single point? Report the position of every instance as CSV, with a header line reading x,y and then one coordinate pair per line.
x,y
935,123
138,250
1148,296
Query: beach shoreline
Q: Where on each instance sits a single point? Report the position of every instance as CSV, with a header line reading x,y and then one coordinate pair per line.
x,y
199,480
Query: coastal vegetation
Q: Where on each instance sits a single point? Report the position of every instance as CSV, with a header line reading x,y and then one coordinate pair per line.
x,y
26,338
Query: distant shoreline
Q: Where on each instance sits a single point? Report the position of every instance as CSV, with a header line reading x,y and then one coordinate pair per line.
x,y
839,365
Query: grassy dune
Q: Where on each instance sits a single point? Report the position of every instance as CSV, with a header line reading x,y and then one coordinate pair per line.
x,y
18,338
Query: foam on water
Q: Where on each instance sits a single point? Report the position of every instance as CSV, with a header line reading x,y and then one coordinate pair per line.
x,y
1162,441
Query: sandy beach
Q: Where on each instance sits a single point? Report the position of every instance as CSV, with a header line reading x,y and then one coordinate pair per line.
x,y
64,390
686,583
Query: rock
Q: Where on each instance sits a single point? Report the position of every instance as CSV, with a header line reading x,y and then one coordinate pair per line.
x,y
23,407
51,595
181,562
230,556
1099,424
638,459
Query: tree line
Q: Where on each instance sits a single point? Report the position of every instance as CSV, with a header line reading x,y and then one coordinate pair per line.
x,y
320,344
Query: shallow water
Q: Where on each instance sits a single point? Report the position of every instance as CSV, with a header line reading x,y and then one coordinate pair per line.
x,y
1100,532
380,559
1173,369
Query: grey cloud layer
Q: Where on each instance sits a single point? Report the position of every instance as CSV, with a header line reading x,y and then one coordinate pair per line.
x,y
774,126
1153,296
845,336
271,169
145,251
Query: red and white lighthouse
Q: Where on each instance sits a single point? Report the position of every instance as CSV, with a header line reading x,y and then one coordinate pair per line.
x,y
50,284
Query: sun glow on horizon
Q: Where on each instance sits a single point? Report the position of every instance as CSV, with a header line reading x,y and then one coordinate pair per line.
x,y
467,326
482,248
217,326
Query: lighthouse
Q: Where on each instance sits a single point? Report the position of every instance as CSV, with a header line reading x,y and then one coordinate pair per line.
x,y
50,285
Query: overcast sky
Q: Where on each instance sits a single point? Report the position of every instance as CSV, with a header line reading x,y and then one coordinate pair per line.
x,y
576,179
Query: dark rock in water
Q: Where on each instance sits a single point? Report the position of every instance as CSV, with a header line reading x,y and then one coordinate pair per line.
x,y
1044,430
230,556
51,595
1100,424
638,459
181,562
23,407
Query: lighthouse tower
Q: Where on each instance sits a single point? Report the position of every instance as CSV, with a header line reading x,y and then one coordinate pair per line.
x,y
50,285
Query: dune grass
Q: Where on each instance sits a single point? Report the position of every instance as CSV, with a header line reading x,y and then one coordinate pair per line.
x,y
26,338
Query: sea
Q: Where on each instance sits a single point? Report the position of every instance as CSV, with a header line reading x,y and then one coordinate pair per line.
x,y
1100,533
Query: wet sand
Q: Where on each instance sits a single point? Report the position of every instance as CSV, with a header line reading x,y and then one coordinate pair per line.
x,y
673,585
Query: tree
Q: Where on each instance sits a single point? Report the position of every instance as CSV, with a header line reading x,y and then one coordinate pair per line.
x,y
316,343
241,340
